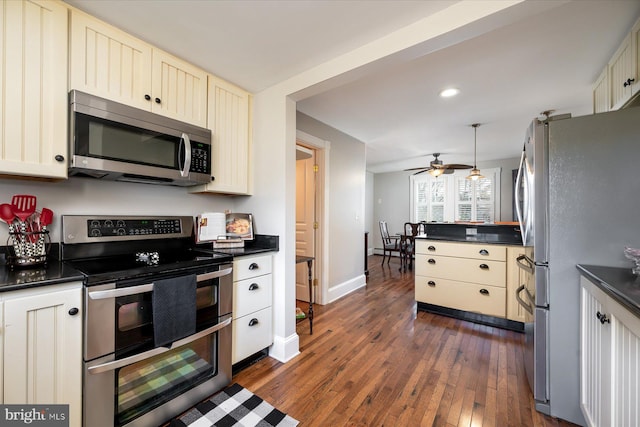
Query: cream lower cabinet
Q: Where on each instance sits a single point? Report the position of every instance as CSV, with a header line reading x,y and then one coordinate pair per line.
x,y
609,354
463,276
33,88
229,118
252,305
112,64
42,347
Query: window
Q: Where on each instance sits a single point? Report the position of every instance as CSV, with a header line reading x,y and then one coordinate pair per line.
x,y
455,198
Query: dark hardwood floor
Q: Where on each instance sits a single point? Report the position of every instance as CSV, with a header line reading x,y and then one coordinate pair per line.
x,y
373,361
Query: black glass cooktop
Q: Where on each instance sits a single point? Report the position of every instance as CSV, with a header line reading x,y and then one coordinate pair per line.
x,y
141,265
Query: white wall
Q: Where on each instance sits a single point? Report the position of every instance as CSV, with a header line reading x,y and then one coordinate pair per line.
x,y
346,206
81,196
392,193
369,224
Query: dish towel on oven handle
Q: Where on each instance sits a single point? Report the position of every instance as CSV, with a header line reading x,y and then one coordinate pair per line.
x,y
174,309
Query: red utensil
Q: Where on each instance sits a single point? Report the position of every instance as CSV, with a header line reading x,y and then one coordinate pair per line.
x,y
23,206
7,215
46,216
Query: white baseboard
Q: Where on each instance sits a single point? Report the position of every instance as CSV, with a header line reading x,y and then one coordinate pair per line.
x,y
345,288
284,349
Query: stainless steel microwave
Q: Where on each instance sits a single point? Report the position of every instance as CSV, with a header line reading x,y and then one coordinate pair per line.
x,y
116,142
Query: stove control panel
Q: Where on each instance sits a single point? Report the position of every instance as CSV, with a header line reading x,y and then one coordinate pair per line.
x,y
86,229
138,227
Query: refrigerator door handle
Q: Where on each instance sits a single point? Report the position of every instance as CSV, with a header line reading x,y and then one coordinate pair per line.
x,y
528,267
524,305
517,193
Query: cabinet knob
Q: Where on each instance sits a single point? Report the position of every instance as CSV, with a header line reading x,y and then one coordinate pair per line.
x,y
253,266
431,248
484,252
158,101
431,283
253,322
147,97
59,158
629,82
253,287
602,318
431,261
73,311
484,266
484,291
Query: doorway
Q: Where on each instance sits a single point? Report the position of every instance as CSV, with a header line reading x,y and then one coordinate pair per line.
x,y
306,222
320,150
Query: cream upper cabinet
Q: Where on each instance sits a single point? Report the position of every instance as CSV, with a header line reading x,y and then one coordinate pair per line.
x,y
601,93
112,64
43,347
229,118
622,74
33,89
619,81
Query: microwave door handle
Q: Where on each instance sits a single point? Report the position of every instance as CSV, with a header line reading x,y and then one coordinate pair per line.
x,y
516,194
521,301
186,143
110,366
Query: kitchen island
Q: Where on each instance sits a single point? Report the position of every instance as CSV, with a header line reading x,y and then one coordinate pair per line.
x,y
470,271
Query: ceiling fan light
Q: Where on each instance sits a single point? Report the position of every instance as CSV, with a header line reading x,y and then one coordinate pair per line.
x,y
436,172
475,174
449,92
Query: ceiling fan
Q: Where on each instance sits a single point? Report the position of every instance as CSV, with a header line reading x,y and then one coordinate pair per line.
x,y
437,167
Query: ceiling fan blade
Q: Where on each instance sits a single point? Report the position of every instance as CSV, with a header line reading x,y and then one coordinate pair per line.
x,y
422,171
457,166
416,169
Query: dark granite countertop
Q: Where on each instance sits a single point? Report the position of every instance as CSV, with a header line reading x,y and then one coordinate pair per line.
x,y
493,240
617,282
261,244
51,273
495,234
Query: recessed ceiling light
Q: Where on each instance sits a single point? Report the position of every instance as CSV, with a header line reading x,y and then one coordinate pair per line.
x,y
448,93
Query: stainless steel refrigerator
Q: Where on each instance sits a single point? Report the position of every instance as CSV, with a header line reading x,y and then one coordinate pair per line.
x,y
578,196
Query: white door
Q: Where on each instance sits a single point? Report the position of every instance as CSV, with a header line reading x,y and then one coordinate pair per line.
x,y
305,217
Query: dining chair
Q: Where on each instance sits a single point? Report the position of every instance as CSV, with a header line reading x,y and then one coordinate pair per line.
x,y
390,244
408,243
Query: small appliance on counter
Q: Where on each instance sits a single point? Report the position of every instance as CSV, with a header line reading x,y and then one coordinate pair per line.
x,y
28,243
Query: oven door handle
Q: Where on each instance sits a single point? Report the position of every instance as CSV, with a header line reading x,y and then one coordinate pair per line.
x,y
140,289
110,366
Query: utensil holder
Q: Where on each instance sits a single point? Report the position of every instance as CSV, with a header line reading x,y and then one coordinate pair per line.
x,y
27,248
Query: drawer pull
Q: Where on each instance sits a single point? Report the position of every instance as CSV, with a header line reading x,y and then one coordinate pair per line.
x,y
431,283
253,322
253,287
253,266
484,266
431,261
484,252
484,291
431,248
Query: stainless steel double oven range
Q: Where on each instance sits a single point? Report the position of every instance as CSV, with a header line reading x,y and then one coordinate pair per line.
x,y
157,326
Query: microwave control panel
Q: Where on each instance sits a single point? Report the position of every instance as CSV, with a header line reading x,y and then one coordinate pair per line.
x,y
200,154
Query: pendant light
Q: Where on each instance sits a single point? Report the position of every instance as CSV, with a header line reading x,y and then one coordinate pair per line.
x,y
475,172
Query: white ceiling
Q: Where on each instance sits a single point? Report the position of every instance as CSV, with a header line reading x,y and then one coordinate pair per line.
x,y
545,61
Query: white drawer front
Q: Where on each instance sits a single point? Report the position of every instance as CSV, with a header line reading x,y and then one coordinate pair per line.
x,y
252,294
485,272
490,300
244,268
251,334
462,250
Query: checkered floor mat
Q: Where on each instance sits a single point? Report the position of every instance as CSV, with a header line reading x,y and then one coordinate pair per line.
x,y
234,406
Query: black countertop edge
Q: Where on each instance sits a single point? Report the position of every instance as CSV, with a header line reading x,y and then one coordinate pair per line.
x,y
618,282
50,273
487,240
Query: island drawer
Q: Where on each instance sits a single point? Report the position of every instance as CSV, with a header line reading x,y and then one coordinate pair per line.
x,y
484,272
489,300
462,250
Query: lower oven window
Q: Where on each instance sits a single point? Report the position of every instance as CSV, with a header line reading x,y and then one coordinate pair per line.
x,y
144,385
